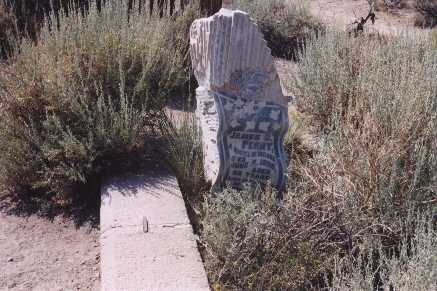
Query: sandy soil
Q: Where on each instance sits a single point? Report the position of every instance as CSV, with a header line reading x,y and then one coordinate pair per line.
x,y
38,254
342,13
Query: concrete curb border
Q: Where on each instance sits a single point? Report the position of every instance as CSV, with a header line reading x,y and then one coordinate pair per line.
x,y
147,242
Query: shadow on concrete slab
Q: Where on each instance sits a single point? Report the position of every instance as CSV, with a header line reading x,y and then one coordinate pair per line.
x,y
82,209
135,183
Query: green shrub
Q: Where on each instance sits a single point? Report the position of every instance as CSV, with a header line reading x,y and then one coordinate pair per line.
x,y
410,266
210,6
434,38
253,241
363,164
427,10
388,5
30,15
373,107
376,108
87,95
181,148
285,24
8,31
313,241
183,152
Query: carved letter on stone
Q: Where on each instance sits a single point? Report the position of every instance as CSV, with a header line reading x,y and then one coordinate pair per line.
x,y
240,106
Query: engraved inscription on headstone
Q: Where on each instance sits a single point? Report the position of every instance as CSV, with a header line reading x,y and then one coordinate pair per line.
x,y
240,106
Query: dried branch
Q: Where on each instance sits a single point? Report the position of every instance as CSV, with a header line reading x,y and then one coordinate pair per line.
x,y
359,23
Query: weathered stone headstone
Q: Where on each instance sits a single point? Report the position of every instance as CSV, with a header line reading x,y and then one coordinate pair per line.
x,y
227,4
240,105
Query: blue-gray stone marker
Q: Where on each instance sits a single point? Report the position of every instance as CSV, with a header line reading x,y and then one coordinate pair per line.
x,y
241,110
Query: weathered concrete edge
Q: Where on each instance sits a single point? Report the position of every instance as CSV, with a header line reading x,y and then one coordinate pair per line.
x,y
147,241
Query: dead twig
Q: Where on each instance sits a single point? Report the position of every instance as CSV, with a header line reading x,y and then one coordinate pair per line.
x,y
358,25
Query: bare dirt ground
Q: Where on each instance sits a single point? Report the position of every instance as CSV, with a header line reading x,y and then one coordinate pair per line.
x,y
39,254
341,13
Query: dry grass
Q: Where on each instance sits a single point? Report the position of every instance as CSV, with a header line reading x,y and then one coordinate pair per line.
x,y
8,30
285,24
410,266
183,152
364,164
253,241
427,13
375,105
85,97
390,5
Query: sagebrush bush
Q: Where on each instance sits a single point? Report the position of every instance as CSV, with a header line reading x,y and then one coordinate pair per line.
x,y
284,24
427,10
183,151
363,165
434,38
29,15
8,30
412,265
375,106
87,95
383,5
252,241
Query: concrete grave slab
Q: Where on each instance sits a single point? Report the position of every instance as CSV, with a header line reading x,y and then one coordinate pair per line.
x,y
147,242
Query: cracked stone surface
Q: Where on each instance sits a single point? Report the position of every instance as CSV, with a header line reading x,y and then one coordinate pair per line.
x,y
162,255
240,105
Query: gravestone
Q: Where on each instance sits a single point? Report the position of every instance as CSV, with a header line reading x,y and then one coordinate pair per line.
x,y
240,106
